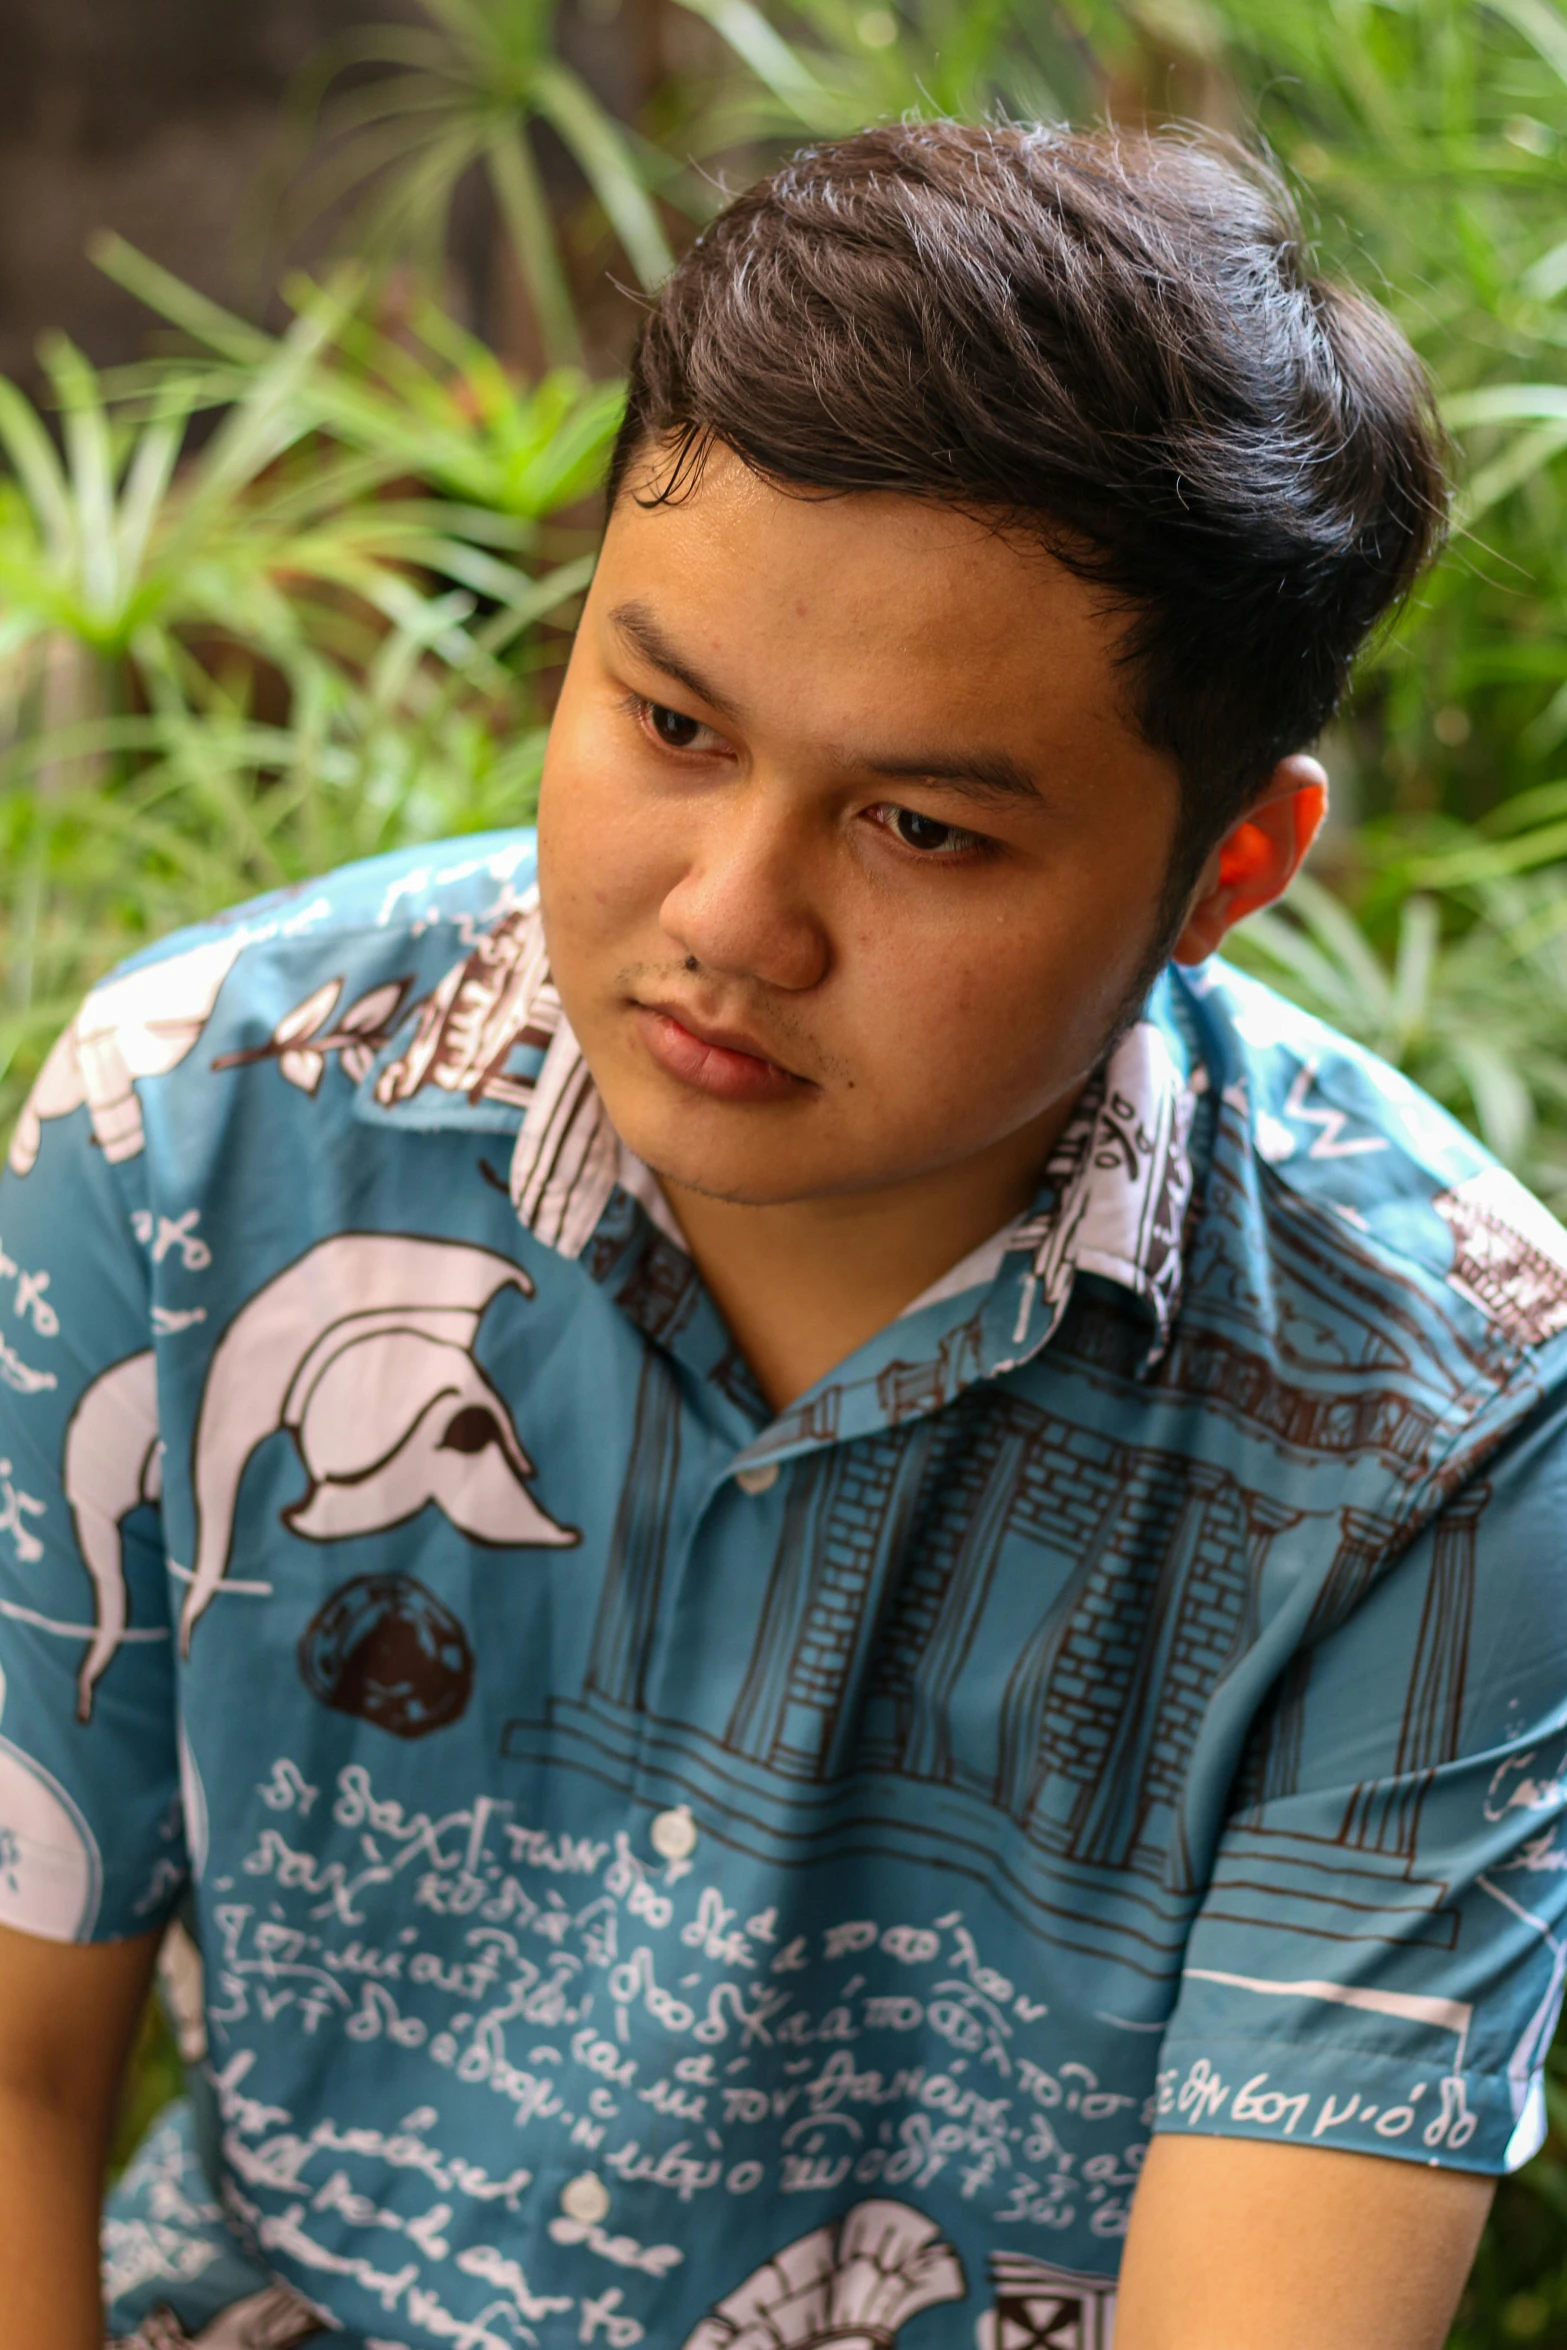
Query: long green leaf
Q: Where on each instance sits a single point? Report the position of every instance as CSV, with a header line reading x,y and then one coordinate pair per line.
x,y
1540,25
207,322
605,158
1507,404
518,191
91,473
39,471
779,67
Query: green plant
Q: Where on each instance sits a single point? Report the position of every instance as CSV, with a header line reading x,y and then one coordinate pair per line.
x,y
427,403
1450,961
205,805
111,550
278,540
845,63
461,91
315,637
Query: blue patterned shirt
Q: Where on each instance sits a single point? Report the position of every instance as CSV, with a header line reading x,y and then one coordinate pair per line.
x,y
671,1872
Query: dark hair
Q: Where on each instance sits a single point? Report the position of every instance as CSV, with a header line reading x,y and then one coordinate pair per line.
x,y
1112,339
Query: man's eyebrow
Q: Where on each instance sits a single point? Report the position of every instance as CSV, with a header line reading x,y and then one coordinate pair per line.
x,y
977,775
642,632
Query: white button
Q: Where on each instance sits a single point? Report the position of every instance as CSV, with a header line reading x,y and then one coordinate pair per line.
x,y
760,1479
585,2199
673,1834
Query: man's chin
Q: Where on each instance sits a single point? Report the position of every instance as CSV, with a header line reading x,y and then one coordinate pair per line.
x,y
744,1157
773,1157
736,1188
745,1178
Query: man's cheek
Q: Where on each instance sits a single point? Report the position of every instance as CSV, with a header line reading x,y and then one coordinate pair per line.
x,y
627,890
604,867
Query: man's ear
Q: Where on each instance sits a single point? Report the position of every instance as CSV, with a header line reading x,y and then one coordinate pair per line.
x,y
1258,858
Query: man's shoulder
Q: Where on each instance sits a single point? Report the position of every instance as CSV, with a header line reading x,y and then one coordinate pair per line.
x,y
1363,1194
400,895
349,951
322,971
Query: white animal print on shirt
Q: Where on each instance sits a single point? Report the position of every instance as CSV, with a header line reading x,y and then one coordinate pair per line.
x,y
362,1350
141,1025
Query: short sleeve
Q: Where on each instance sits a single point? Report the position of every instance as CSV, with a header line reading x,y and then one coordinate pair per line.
x,y
91,1836
1377,1962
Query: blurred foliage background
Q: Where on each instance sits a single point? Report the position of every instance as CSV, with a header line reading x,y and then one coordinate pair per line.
x,y
297,585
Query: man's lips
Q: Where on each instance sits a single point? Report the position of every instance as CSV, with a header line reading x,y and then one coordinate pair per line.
x,y
721,1062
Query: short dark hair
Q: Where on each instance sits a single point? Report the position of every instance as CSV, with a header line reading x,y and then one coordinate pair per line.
x,y
1114,340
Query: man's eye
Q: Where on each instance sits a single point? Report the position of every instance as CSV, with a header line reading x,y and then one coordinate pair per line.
x,y
673,728
926,833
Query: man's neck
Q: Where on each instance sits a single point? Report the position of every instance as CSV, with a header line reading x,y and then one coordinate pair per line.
x,y
803,1283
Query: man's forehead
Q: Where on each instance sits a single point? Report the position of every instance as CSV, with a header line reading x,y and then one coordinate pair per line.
x,y
874,561
727,519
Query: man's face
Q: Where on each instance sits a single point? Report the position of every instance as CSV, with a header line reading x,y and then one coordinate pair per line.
x,y
849,856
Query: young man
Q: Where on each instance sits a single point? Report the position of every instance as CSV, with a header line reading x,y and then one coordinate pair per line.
x,y
835,1574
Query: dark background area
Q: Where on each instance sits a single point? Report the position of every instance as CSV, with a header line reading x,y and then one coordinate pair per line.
x,y
160,116
180,122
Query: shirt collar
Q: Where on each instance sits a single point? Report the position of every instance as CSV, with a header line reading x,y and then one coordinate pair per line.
x,y
494,1037
1123,1180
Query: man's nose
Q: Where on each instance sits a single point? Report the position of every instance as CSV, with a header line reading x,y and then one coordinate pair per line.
x,y
745,906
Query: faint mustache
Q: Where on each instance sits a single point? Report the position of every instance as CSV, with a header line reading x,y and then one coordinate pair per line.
x,y
676,989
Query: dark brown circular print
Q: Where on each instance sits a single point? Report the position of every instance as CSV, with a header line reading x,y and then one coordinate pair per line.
x,y
385,1649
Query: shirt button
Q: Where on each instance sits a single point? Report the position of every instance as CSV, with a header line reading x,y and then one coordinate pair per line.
x,y
585,2199
673,1835
760,1479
